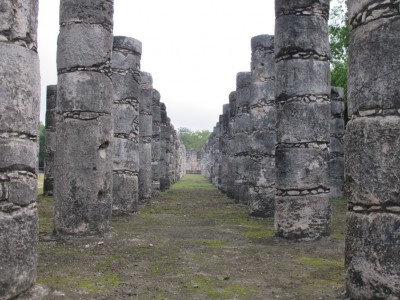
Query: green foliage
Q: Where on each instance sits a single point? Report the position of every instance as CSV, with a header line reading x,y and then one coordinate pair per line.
x,y
193,140
42,132
339,41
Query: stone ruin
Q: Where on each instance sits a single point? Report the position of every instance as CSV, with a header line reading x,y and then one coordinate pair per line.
x,y
94,148
311,147
283,119
193,161
279,132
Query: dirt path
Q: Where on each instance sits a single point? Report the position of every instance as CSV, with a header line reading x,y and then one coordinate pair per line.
x,y
191,242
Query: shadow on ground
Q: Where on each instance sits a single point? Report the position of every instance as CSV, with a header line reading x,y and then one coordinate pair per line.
x,y
191,242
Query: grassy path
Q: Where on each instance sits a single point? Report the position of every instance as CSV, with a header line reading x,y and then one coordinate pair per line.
x,y
191,242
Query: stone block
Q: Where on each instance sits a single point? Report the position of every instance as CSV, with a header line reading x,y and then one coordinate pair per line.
x,y
292,35
336,145
18,247
18,19
19,90
83,45
299,77
83,178
301,169
304,218
303,123
145,125
18,154
126,120
261,201
262,92
372,255
126,87
125,194
126,155
22,188
84,91
287,5
262,142
87,11
372,161
374,85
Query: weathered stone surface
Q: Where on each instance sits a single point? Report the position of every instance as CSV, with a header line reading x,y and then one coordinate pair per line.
x,y
18,22
87,11
84,46
302,77
303,218
19,123
146,133
84,91
50,140
372,252
336,148
241,135
85,159
126,155
373,177
18,247
374,85
302,206
83,181
155,142
20,106
302,169
372,158
125,189
126,164
292,34
303,123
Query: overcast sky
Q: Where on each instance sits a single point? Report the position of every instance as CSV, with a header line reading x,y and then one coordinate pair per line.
x,y
192,48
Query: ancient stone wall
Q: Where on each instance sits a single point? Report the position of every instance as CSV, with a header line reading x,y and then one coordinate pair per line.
x,y
336,150
19,122
372,161
50,140
126,82
262,132
83,179
224,140
302,53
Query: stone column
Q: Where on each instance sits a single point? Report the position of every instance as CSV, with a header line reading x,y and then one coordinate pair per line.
x,y
302,53
145,133
336,150
263,134
163,147
83,178
126,82
372,158
242,138
19,123
156,142
230,191
224,148
50,140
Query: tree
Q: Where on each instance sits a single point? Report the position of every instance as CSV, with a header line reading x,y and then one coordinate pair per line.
x,y
193,140
42,132
339,41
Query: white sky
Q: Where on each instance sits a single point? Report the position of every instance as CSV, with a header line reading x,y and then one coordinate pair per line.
x,y
193,49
